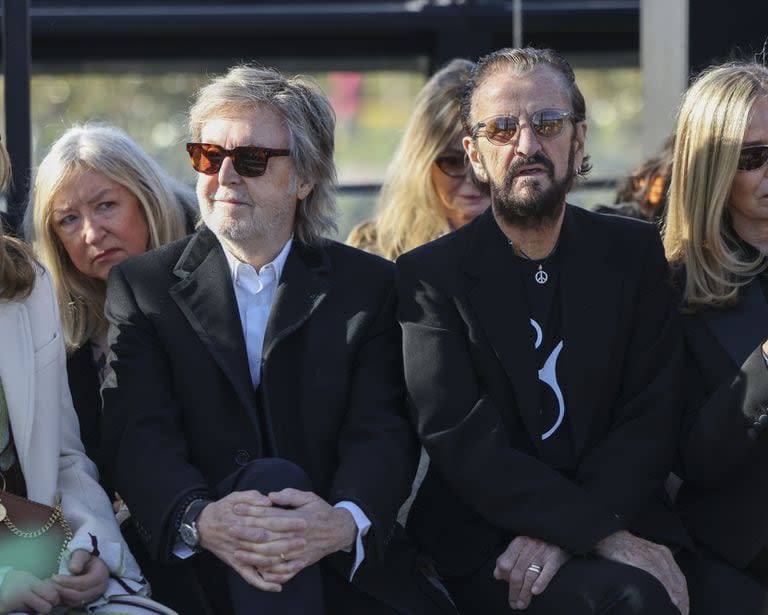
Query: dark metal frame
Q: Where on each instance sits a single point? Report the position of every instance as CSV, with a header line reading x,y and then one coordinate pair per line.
x,y
16,63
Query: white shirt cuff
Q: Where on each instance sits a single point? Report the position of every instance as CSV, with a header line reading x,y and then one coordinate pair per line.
x,y
363,524
181,549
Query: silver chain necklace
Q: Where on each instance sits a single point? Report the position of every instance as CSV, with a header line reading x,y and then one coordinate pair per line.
x,y
541,276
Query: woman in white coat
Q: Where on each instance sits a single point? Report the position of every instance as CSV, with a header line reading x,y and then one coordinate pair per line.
x,y
42,456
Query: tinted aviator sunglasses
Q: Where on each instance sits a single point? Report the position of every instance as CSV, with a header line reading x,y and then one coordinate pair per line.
x,y
248,160
752,157
453,165
500,130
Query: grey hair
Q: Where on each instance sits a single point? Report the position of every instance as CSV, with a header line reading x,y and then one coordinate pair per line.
x,y
309,120
524,60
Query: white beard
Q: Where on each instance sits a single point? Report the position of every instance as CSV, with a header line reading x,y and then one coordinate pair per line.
x,y
236,230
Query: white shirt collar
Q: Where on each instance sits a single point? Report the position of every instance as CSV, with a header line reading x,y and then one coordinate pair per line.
x,y
243,272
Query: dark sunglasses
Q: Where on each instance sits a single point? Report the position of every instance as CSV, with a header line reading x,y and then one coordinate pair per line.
x,y
500,130
453,165
752,157
248,160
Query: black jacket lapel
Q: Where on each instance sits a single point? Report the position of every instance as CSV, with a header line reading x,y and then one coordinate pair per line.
x,y
207,299
303,286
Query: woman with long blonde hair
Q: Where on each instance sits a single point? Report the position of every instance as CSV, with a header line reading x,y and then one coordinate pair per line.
x,y
716,238
427,190
98,198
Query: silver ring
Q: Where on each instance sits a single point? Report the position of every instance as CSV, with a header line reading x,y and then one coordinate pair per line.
x,y
535,568
282,556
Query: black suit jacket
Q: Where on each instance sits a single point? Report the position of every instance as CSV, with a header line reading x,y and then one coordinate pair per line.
x,y
472,379
724,454
181,414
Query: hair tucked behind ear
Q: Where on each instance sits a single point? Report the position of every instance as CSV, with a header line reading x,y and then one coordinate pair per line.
x,y
309,120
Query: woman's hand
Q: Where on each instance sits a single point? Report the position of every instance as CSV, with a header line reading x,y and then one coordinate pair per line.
x,y
87,582
117,503
24,592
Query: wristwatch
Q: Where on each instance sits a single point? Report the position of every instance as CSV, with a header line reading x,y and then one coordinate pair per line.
x,y
188,528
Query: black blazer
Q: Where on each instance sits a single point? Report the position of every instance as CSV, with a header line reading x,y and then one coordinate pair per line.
x,y
724,454
471,374
181,414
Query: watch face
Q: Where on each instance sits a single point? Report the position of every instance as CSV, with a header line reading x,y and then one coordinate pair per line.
x,y
189,535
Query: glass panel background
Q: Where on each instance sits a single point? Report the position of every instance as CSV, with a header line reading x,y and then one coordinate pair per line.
x,y
149,101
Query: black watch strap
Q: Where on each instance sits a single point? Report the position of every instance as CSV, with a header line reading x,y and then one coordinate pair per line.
x,y
188,531
193,511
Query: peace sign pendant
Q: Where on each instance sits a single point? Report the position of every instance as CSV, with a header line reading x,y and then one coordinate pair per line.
x,y
541,276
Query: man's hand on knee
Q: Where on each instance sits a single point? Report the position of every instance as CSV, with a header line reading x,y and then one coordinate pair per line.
x,y
248,534
328,530
653,558
528,565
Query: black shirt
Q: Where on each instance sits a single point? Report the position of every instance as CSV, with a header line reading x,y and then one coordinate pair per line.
x,y
541,281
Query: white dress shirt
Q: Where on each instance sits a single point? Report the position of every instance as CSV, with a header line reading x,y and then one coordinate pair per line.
x,y
255,293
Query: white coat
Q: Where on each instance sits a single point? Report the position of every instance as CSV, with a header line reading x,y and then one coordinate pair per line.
x,y
47,434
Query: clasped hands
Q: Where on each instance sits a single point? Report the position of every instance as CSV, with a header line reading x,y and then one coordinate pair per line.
x,y
268,539
24,592
529,564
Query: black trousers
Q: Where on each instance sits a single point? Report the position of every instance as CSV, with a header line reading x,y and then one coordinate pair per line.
x,y
717,588
583,586
592,586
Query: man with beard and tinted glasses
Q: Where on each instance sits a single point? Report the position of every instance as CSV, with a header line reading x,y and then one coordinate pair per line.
x,y
542,359
256,417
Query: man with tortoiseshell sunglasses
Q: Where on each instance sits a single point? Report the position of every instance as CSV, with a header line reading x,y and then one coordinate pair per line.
x,y
257,416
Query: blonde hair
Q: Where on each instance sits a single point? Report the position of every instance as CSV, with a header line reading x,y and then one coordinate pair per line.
x,y
698,235
110,152
409,210
309,120
17,273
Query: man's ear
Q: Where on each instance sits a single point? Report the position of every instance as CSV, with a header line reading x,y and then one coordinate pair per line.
x,y
303,189
475,159
579,142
